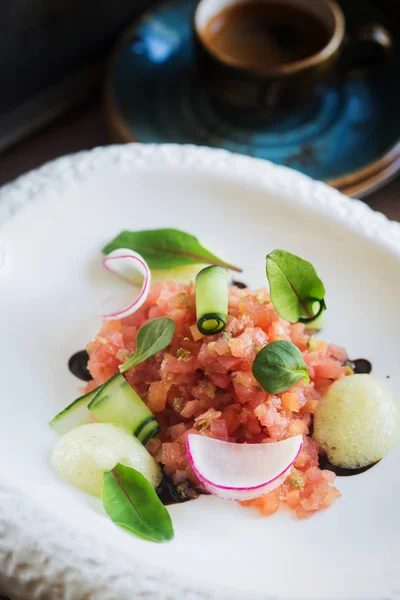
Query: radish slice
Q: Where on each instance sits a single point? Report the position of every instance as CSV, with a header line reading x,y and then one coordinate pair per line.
x,y
133,287
241,471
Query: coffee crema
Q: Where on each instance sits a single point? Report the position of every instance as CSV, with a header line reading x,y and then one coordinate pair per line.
x,y
264,36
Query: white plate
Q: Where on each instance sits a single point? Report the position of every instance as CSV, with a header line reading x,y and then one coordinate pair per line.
x,y
56,542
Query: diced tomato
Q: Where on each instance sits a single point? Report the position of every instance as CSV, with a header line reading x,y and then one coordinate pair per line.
x,y
153,445
219,430
177,430
270,504
291,401
298,335
191,408
232,417
293,498
196,335
173,455
297,427
157,396
329,368
203,385
220,380
338,353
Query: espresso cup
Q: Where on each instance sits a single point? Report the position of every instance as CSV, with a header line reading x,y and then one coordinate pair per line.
x,y
256,89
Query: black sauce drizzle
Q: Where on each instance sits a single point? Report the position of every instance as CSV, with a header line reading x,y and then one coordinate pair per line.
x,y
167,492
339,471
360,366
239,285
175,494
77,364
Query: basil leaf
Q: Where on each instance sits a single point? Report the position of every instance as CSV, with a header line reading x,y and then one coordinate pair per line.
x,y
297,292
152,337
166,248
131,502
278,366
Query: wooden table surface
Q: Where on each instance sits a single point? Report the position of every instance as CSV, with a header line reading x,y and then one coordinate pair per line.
x,y
85,129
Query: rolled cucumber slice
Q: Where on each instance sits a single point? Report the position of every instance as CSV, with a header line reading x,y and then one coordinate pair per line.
x,y
118,403
75,414
212,299
318,323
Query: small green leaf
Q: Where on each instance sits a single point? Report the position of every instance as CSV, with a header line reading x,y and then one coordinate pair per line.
x,y
131,502
278,366
297,292
152,337
166,248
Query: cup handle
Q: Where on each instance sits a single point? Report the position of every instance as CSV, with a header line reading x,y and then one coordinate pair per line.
x,y
365,50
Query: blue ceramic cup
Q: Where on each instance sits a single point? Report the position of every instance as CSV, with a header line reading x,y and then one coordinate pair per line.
x,y
257,92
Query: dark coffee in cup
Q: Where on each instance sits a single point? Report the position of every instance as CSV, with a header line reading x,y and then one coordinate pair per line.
x,y
263,36
260,58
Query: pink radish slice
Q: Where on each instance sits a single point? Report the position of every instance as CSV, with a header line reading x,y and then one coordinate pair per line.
x,y
133,286
241,471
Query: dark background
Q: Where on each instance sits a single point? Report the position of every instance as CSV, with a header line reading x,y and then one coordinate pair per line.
x,y
52,55
42,41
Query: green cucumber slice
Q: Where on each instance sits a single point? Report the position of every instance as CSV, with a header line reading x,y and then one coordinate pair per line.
x,y
318,323
212,299
149,428
75,414
118,403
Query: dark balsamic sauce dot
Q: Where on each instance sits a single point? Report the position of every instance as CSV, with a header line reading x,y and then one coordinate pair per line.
x,y
239,285
339,471
359,365
77,364
362,366
175,494
167,492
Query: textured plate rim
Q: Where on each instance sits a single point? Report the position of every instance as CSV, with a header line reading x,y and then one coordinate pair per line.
x,y
38,552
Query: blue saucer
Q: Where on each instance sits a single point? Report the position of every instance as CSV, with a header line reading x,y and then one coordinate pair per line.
x,y
155,96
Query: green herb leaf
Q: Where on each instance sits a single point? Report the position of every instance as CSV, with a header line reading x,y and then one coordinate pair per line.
x,y
152,337
297,292
166,248
278,366
131,502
